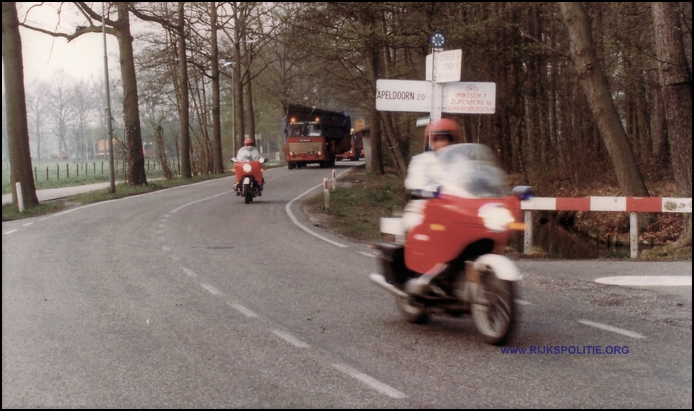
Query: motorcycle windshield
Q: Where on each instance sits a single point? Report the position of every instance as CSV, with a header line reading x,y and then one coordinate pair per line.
x,y
248,153
471,171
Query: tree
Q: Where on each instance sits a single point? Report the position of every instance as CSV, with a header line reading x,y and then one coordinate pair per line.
x,y
17,128
131,114
38,106
676,86
596,89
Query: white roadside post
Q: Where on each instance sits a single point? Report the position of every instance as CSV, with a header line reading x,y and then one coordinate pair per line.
x,y
334,178
326,193
20,197
634,235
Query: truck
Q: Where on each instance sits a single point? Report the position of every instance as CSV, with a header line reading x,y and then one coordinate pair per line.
x,y
356,149
312,135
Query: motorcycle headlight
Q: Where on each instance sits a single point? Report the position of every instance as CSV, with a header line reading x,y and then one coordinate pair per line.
x,y
496,217
247,168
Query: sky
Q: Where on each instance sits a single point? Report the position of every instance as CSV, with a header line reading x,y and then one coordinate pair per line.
x,y
82,58
44,55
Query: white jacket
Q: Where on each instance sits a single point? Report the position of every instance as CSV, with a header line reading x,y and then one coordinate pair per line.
x,y
424,172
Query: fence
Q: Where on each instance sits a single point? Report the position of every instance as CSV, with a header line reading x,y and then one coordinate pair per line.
x,y
633,205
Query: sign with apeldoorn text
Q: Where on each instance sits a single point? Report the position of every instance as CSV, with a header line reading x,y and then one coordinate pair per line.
x,y
403,95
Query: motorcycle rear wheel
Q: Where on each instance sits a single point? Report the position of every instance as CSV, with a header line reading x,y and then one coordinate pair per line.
x,y
493,309
412,311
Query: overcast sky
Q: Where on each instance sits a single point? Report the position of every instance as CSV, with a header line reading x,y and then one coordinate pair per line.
x,y
82,58
44,55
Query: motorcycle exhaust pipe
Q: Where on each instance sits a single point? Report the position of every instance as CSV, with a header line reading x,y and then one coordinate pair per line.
x,y
380,280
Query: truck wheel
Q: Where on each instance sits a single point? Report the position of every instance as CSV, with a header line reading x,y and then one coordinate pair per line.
x,y
291,165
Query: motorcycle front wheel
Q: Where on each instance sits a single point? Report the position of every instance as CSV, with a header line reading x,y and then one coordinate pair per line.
x,y
412,311
493,309
248,194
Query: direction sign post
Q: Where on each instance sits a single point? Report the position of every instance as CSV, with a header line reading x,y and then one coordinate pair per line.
x,y
442,93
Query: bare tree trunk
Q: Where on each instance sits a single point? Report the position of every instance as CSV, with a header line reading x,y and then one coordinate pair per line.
x,y
372,63
218,162
676,86
248,90
596,89
131,111
16,111
395,149
159,135
183,84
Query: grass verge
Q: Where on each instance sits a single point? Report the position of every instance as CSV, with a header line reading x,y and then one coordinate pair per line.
x,y
357,205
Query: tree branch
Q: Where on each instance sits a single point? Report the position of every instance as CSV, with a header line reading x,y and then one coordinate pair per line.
x,y
529,37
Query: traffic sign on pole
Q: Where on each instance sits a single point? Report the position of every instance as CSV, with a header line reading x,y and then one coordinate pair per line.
x,y
470,98
423,121
448,65
403,95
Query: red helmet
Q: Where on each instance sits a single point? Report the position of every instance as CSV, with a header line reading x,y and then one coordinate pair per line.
x,y
444,126
249,142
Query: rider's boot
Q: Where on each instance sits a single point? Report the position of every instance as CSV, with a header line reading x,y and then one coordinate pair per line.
x,y
420,285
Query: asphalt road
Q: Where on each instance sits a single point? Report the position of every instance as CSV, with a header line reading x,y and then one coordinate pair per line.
x,y
190,298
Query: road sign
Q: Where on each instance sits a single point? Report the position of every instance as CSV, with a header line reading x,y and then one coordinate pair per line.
x,y
403,95
470,98
423,121
448,65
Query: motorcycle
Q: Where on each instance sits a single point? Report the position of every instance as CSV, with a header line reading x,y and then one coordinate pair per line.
x,y
452,263
248,167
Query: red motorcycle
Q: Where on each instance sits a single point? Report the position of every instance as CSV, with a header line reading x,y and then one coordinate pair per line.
x,y
248,166
452,263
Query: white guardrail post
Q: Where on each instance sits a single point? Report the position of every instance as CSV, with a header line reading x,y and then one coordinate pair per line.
x,y
528,233
634,235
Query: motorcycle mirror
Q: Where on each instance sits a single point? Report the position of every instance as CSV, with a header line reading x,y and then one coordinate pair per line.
x,y
233,159
262,160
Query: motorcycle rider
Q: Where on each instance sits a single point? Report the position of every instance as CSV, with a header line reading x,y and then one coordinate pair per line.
x,y
247,152
422,177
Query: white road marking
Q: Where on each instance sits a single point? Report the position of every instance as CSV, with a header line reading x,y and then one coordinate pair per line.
x,y
648,280
611,328
9,232
189,272
165,249
522,302
288,209
290,339
28,224
211,289
368,254
245,311
370,381
198,201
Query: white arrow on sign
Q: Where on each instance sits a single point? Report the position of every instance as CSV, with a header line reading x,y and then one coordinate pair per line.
x,y
403,95
470,98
